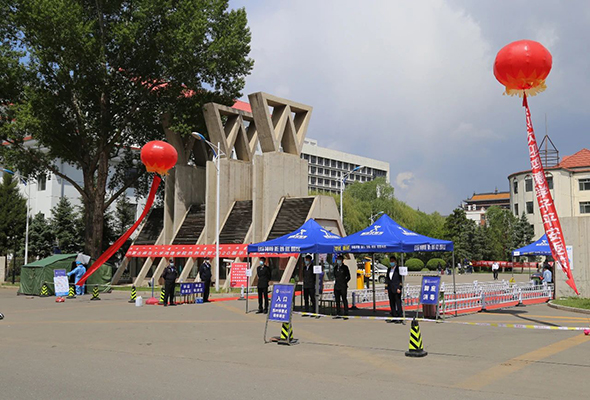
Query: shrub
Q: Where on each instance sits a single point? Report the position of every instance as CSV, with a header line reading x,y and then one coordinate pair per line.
x,y
414,264
432,264
425,270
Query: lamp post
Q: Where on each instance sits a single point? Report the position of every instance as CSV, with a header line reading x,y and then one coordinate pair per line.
x,y
28,194
343,179
217,153
373,216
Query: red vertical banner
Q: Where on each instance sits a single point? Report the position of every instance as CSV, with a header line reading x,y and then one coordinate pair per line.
x,y
546,206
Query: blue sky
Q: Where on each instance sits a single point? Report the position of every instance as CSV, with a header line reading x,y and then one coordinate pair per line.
x,y
411,83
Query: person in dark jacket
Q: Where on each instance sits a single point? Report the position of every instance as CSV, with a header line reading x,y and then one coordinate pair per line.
x,y
308,284
169,275
341,278
263,272
205,275
394,286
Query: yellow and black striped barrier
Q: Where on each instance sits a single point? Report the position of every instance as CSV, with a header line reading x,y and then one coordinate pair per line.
x,y
416,347
44,290
133,294
287,335
95,293
71,293
162,295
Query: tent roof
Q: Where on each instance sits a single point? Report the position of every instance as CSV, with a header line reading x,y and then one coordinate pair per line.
x,y
539,248
386,235
310,237
49,260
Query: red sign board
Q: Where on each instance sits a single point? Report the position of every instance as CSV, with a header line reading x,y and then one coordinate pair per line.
x,y
238,276
188,251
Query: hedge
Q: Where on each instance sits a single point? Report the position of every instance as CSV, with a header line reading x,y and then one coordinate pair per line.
x,y
414,264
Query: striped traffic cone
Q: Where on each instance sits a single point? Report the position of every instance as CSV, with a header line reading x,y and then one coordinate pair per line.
x,y
287,335
71,293
416,347
162,295
44,290
133,294
95,293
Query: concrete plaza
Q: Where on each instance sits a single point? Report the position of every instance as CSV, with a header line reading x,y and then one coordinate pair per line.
x,y
110,349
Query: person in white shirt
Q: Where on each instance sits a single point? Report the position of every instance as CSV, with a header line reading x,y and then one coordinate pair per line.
x,y
495,270
547,275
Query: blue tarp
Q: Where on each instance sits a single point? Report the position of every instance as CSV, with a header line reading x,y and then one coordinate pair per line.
x,y
538,248
311,237
387,236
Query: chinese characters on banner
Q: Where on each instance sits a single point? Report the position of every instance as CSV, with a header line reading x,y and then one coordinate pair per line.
x,y
546,206
238,277
429,292
281,302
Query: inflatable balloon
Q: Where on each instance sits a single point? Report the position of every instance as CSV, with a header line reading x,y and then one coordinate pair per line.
x,y
522,67
158,156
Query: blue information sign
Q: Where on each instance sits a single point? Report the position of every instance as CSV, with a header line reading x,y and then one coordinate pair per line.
x,y
185,289
429,292
281,302
199,287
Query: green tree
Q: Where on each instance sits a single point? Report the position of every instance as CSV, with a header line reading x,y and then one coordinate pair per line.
x,y
13,215
523,232
124,216
87,80
63,225
461,231
501,225
41,237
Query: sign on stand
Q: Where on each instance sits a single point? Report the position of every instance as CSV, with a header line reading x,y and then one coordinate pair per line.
x,y
238,276
60,280
281,305
430,288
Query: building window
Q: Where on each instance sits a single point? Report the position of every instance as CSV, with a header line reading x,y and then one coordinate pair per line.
x,y
528,184
515,186
585,207
41,182
529,207
340,164
313,180
334,173
320,171
313,159
313,169
345,166
516,209
306,156
584,184
320,181
549,181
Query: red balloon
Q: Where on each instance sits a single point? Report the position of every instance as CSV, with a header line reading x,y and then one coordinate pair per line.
x,y
522,67
158,156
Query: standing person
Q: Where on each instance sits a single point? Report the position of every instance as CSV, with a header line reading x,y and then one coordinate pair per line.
x,y
547,275
495,269
78,272
205,275
341,278
308,284
264,275
169,275
393,284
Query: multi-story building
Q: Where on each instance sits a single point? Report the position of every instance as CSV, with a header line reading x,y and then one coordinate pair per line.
x,y
327,167
476,206
569,183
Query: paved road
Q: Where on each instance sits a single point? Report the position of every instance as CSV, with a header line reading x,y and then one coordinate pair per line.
x,y
110,349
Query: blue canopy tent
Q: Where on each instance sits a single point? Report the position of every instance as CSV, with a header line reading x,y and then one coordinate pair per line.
x,y
387,236
311,237
538,248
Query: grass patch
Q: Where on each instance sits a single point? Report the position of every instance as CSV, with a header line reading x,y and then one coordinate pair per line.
x,y
575,302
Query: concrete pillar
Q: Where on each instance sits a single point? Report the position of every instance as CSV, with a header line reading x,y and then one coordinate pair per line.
x,y
576,231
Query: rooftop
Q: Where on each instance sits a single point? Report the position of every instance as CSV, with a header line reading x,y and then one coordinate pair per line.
x,y
489,196
580,159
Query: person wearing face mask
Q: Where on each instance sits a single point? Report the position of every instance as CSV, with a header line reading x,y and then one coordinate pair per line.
x,y
341,278
393,284
169,275
308,284
205,275
264,275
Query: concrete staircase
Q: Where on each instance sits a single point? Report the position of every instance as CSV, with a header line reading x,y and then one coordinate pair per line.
x,y
237,224
152,228
192,226
292,215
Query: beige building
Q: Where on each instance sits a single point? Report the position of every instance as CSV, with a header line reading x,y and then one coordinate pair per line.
x,y
569,182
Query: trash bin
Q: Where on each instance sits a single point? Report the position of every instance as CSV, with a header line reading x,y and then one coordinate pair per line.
x,y
360,279
429,311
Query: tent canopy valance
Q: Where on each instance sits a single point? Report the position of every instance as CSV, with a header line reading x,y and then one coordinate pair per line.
x,y
538,248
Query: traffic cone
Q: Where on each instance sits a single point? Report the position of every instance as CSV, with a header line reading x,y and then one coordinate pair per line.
x,y
416,347
133,294
1,316
71,293
95,293
44,290
287,334
162,295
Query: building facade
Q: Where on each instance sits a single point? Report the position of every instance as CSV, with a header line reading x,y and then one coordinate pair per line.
x,y
476,206
569,183
327,167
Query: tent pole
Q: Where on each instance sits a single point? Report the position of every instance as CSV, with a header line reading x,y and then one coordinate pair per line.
x,y
373,275
403,293
454,284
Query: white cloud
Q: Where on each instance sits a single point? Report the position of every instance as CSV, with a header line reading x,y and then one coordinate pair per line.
x,y
404,179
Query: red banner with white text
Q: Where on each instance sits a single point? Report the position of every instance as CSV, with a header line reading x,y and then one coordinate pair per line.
x,y
546,206
198,251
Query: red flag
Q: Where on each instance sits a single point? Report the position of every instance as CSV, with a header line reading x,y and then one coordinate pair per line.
x,y
546,206
117,245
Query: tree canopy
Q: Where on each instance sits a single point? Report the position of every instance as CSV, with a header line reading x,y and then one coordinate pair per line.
x,y
89,80
13,215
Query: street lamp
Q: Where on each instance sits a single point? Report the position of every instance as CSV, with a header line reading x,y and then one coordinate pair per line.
x,y
343,179
216,153
26,183
373,216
